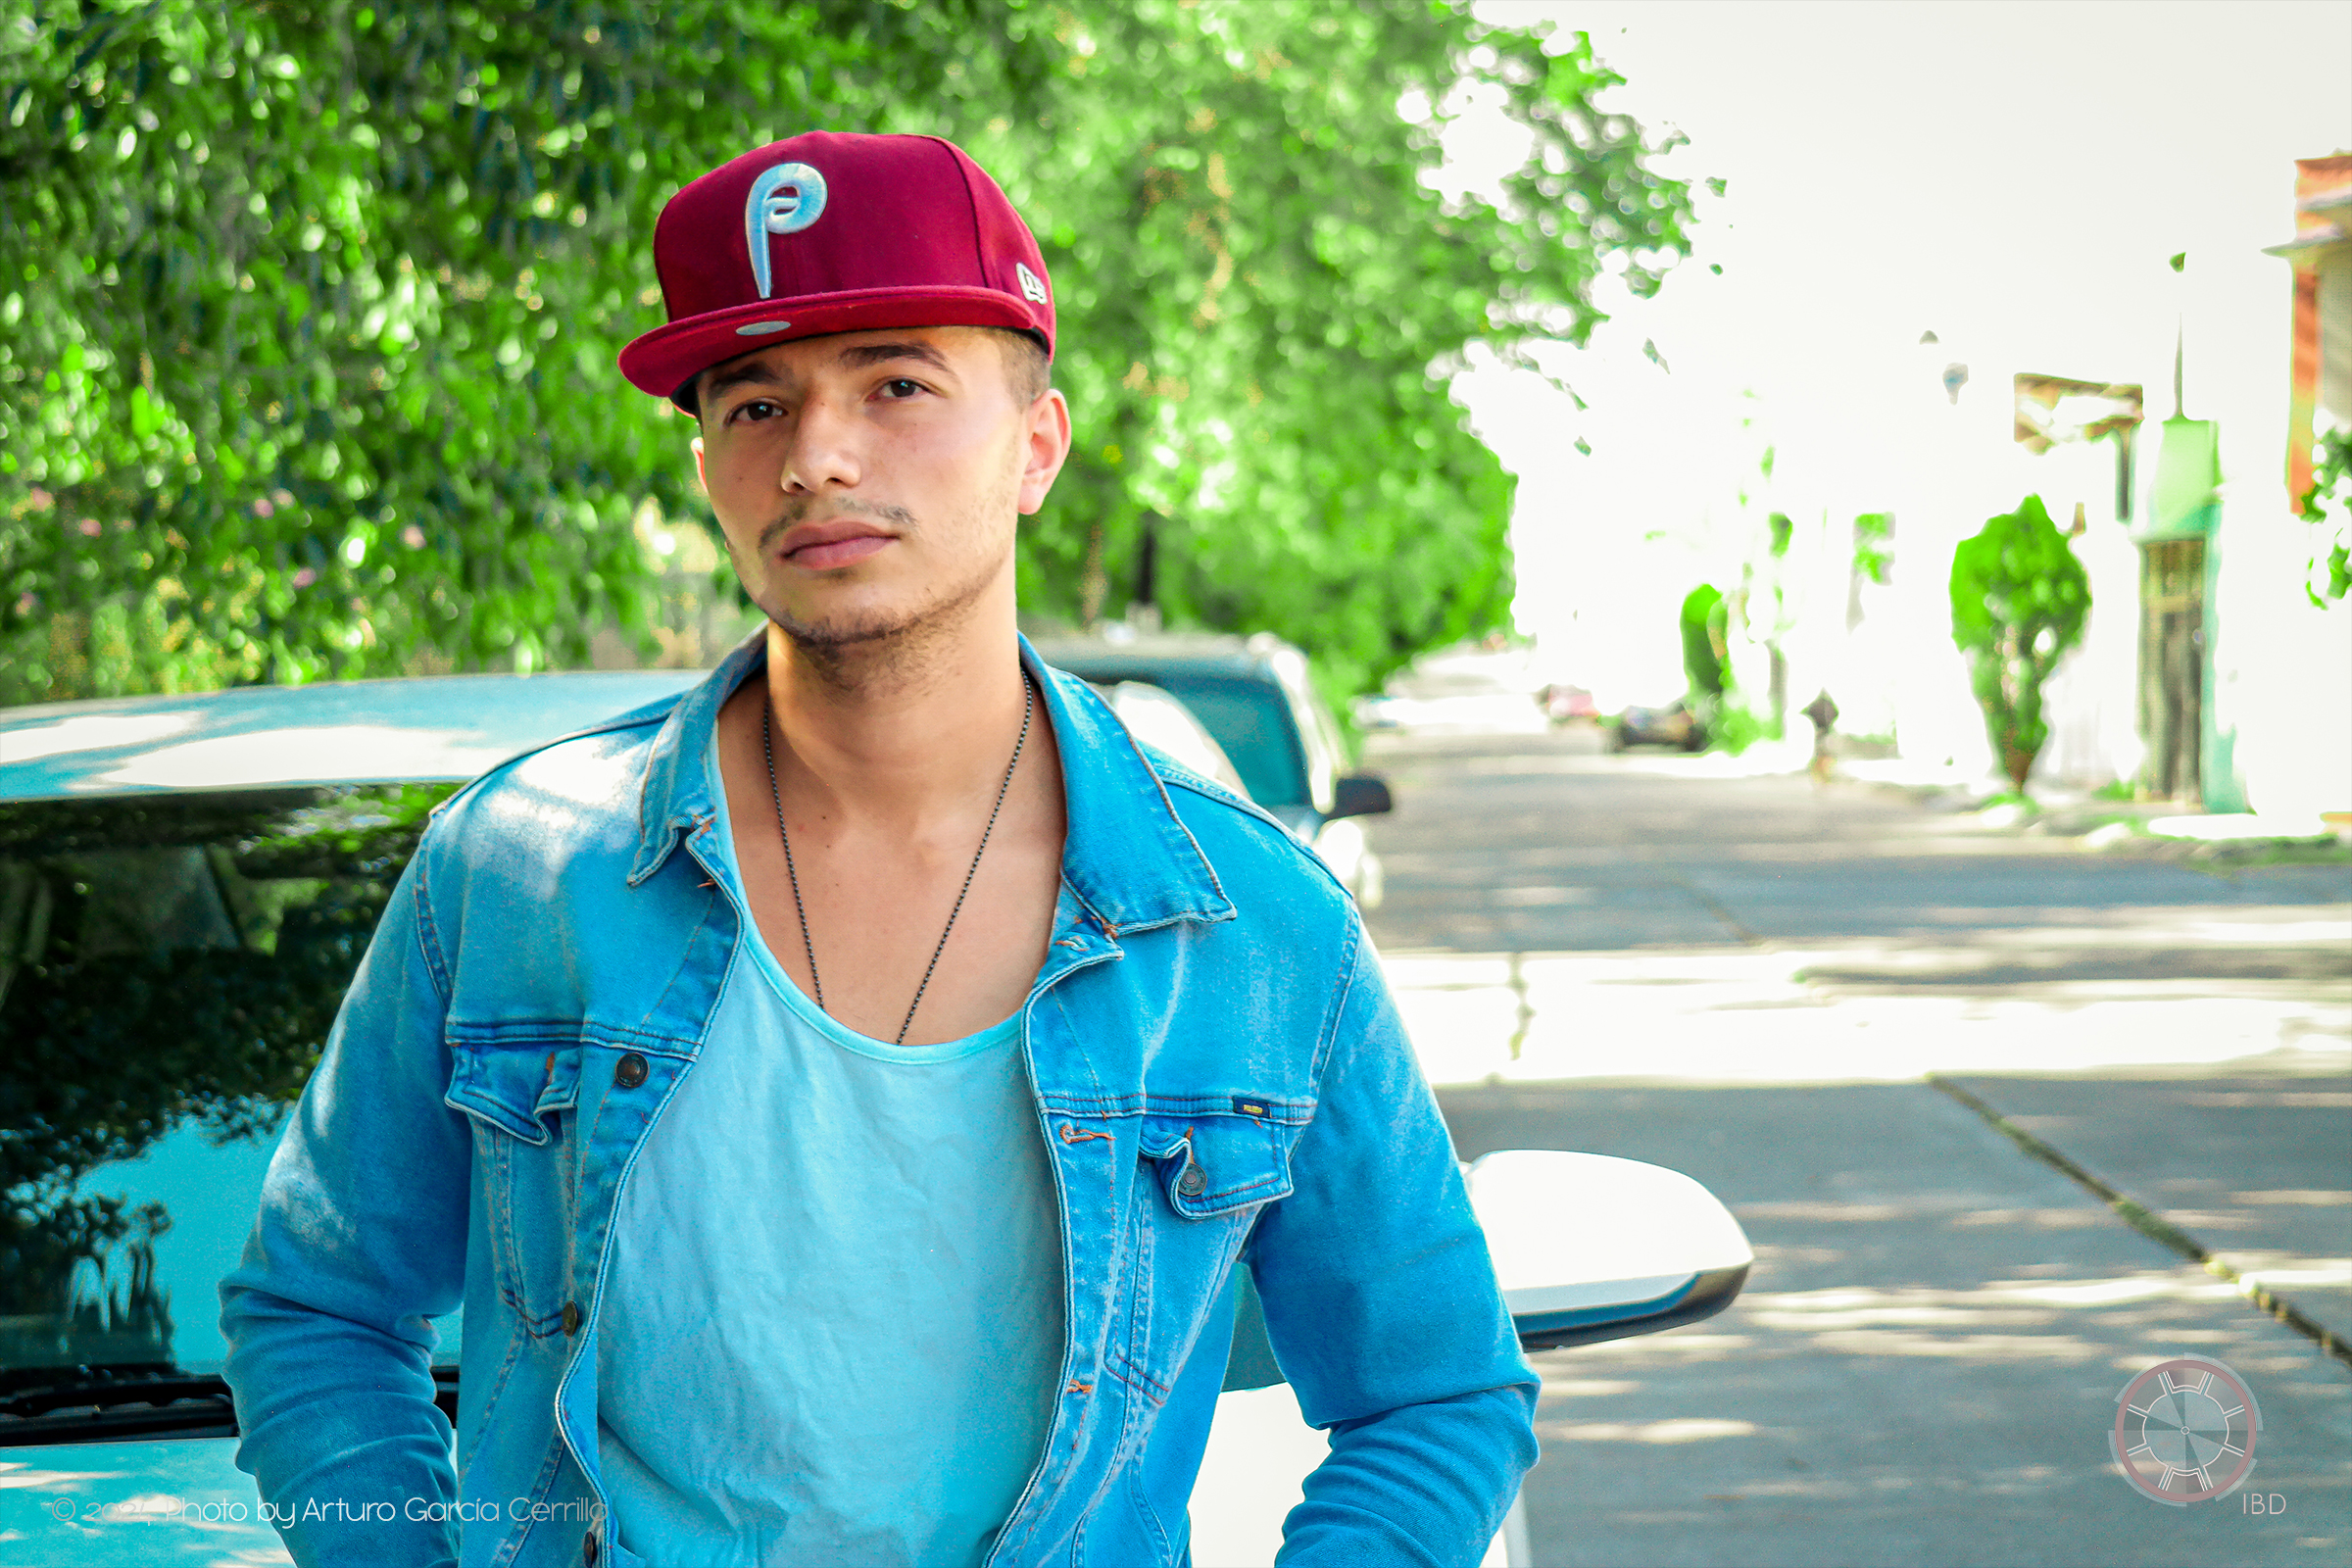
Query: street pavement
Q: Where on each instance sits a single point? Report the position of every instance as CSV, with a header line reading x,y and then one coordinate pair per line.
x,y
1820,1003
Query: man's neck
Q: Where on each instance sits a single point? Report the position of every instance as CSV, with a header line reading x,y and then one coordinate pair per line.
x,y
897,738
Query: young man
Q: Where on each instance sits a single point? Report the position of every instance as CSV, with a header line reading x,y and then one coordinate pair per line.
x,y
843,1098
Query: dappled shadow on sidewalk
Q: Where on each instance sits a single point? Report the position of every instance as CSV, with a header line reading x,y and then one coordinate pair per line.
x,y
2256,1170
1924,1366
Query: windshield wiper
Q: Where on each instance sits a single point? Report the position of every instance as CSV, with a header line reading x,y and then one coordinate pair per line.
x,y
111,1404
122,1402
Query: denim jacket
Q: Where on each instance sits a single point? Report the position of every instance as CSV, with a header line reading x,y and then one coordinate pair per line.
x,y
1219,1074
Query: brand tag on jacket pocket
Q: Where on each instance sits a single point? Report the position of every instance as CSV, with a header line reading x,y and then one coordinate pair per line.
x,y
1250,1108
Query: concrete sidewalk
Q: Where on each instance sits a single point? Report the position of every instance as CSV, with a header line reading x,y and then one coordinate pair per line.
x,y
1924,1368
1751,980
2019,1000
2255,1169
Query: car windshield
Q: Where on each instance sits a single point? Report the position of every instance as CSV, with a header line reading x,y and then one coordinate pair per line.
x,y
169,966
1251,721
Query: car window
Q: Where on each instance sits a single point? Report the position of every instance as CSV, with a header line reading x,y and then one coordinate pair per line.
x,y
169,966
1252,721
1157,719
1327,753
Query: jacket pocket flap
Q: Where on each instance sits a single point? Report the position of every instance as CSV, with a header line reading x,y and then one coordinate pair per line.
x,y
510,1087
1211,1165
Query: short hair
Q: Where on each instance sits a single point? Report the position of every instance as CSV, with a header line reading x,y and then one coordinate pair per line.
x,y
1028,370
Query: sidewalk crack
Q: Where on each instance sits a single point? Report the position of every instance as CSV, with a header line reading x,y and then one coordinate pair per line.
x,y
1715,908
1527,1010
2155,1227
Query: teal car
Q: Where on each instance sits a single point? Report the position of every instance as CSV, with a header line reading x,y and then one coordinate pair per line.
x,y
1258,700
186,884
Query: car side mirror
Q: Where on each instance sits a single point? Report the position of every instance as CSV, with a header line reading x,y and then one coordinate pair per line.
x,y
1360,795
1589,1247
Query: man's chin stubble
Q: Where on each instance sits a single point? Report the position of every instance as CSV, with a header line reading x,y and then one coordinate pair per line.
x,y
887,647
860,649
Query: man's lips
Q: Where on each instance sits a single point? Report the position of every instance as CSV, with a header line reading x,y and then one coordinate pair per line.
x,y
825,546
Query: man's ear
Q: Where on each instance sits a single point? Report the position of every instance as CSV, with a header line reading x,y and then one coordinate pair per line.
x,y
1048,448
702,476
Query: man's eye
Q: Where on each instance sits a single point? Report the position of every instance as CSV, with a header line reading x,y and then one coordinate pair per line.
x,y
755,410
901,387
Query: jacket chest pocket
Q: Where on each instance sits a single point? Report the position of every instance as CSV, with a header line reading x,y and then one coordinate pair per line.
x,y
1213,1165
1201,1181
522,1098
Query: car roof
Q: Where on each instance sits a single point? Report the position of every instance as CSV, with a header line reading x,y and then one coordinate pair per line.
x,y
428,729
1164,651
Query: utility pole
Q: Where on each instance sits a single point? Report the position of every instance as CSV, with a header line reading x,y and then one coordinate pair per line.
x,y
2179,264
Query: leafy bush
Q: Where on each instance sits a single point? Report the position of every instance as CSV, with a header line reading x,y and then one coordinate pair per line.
x,y
1874,545
1704,620
1733,727
2019,601
2328,506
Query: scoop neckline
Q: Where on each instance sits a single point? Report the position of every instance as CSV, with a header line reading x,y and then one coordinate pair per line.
x,y
802,1005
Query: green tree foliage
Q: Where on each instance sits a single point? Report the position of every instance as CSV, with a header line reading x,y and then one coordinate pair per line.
x,y
2019,601
1706,623
2328,503
308,312
1874,546
1259,283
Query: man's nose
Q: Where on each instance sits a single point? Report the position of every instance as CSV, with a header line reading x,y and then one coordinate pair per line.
x,y
823,451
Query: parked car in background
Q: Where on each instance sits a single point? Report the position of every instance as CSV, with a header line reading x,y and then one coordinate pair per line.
x,y
186,886
1256,696
1161,721
1562,703
1673,725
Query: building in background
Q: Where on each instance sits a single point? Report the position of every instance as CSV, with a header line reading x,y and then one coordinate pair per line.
x,y
2281,664
2321,369
2206,673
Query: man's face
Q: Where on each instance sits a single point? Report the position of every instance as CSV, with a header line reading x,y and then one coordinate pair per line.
x,y
868,483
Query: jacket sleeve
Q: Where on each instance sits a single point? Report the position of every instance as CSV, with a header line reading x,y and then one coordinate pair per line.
x,y
1383,1310
361,1239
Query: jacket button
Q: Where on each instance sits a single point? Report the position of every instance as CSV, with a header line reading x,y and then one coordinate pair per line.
x,y
1193,1183
630,1072
571,1317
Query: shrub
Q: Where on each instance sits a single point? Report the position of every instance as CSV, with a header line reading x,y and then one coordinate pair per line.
x,y
2019,601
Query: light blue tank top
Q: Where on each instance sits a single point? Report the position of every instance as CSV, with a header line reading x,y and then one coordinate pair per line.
x,y
842,1259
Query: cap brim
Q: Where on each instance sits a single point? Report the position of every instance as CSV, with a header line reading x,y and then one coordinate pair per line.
x,y
663,361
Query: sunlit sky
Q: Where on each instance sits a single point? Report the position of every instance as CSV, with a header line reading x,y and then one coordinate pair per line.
x,y
2011,176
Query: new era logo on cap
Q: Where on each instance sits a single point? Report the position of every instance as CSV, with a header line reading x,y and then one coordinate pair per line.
x,y
831,232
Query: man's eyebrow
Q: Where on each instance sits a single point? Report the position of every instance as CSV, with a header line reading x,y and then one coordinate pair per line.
x,y
737,375
857,356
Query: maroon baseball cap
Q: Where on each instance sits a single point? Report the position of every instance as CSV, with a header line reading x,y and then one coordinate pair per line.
x,y
832,233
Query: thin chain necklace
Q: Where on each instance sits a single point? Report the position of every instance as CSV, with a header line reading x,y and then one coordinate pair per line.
x,y
767,745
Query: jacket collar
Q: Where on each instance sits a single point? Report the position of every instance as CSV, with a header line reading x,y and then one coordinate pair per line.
x,y
675,797
1126,858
